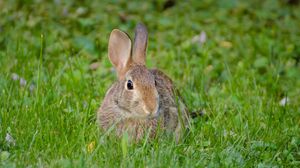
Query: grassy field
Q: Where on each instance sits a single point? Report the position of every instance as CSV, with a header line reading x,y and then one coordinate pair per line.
x,y
238,61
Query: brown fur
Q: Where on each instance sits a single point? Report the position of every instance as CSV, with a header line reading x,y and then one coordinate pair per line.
x,y
150,105
109,114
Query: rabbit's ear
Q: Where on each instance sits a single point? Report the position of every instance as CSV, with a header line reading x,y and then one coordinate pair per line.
x,y
140,44
119,52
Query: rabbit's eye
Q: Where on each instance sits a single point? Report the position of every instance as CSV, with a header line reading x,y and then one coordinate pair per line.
x,y
129,85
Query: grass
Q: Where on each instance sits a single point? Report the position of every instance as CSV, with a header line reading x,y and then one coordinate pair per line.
x,y
248,64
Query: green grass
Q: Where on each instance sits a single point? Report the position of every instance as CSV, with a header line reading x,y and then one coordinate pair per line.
x,y
247,65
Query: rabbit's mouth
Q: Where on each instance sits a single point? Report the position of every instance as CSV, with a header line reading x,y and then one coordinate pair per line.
x,y
139,114
138,110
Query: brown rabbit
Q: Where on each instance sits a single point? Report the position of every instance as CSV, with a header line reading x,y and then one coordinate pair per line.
x,y
142,99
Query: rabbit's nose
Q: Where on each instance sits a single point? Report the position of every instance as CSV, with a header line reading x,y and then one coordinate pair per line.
x,y
150,103
150,110
146,110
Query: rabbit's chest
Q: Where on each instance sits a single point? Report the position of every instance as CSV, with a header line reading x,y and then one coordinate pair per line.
x,y
139,128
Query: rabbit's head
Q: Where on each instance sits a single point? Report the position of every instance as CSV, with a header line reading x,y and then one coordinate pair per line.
x,y
136,95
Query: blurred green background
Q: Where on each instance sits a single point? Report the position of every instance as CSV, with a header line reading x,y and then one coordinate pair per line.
x,y
236,60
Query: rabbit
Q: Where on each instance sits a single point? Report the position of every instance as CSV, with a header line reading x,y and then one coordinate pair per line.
x,y
142,100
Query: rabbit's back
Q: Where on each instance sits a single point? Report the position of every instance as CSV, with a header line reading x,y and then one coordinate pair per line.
x,y
172,108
